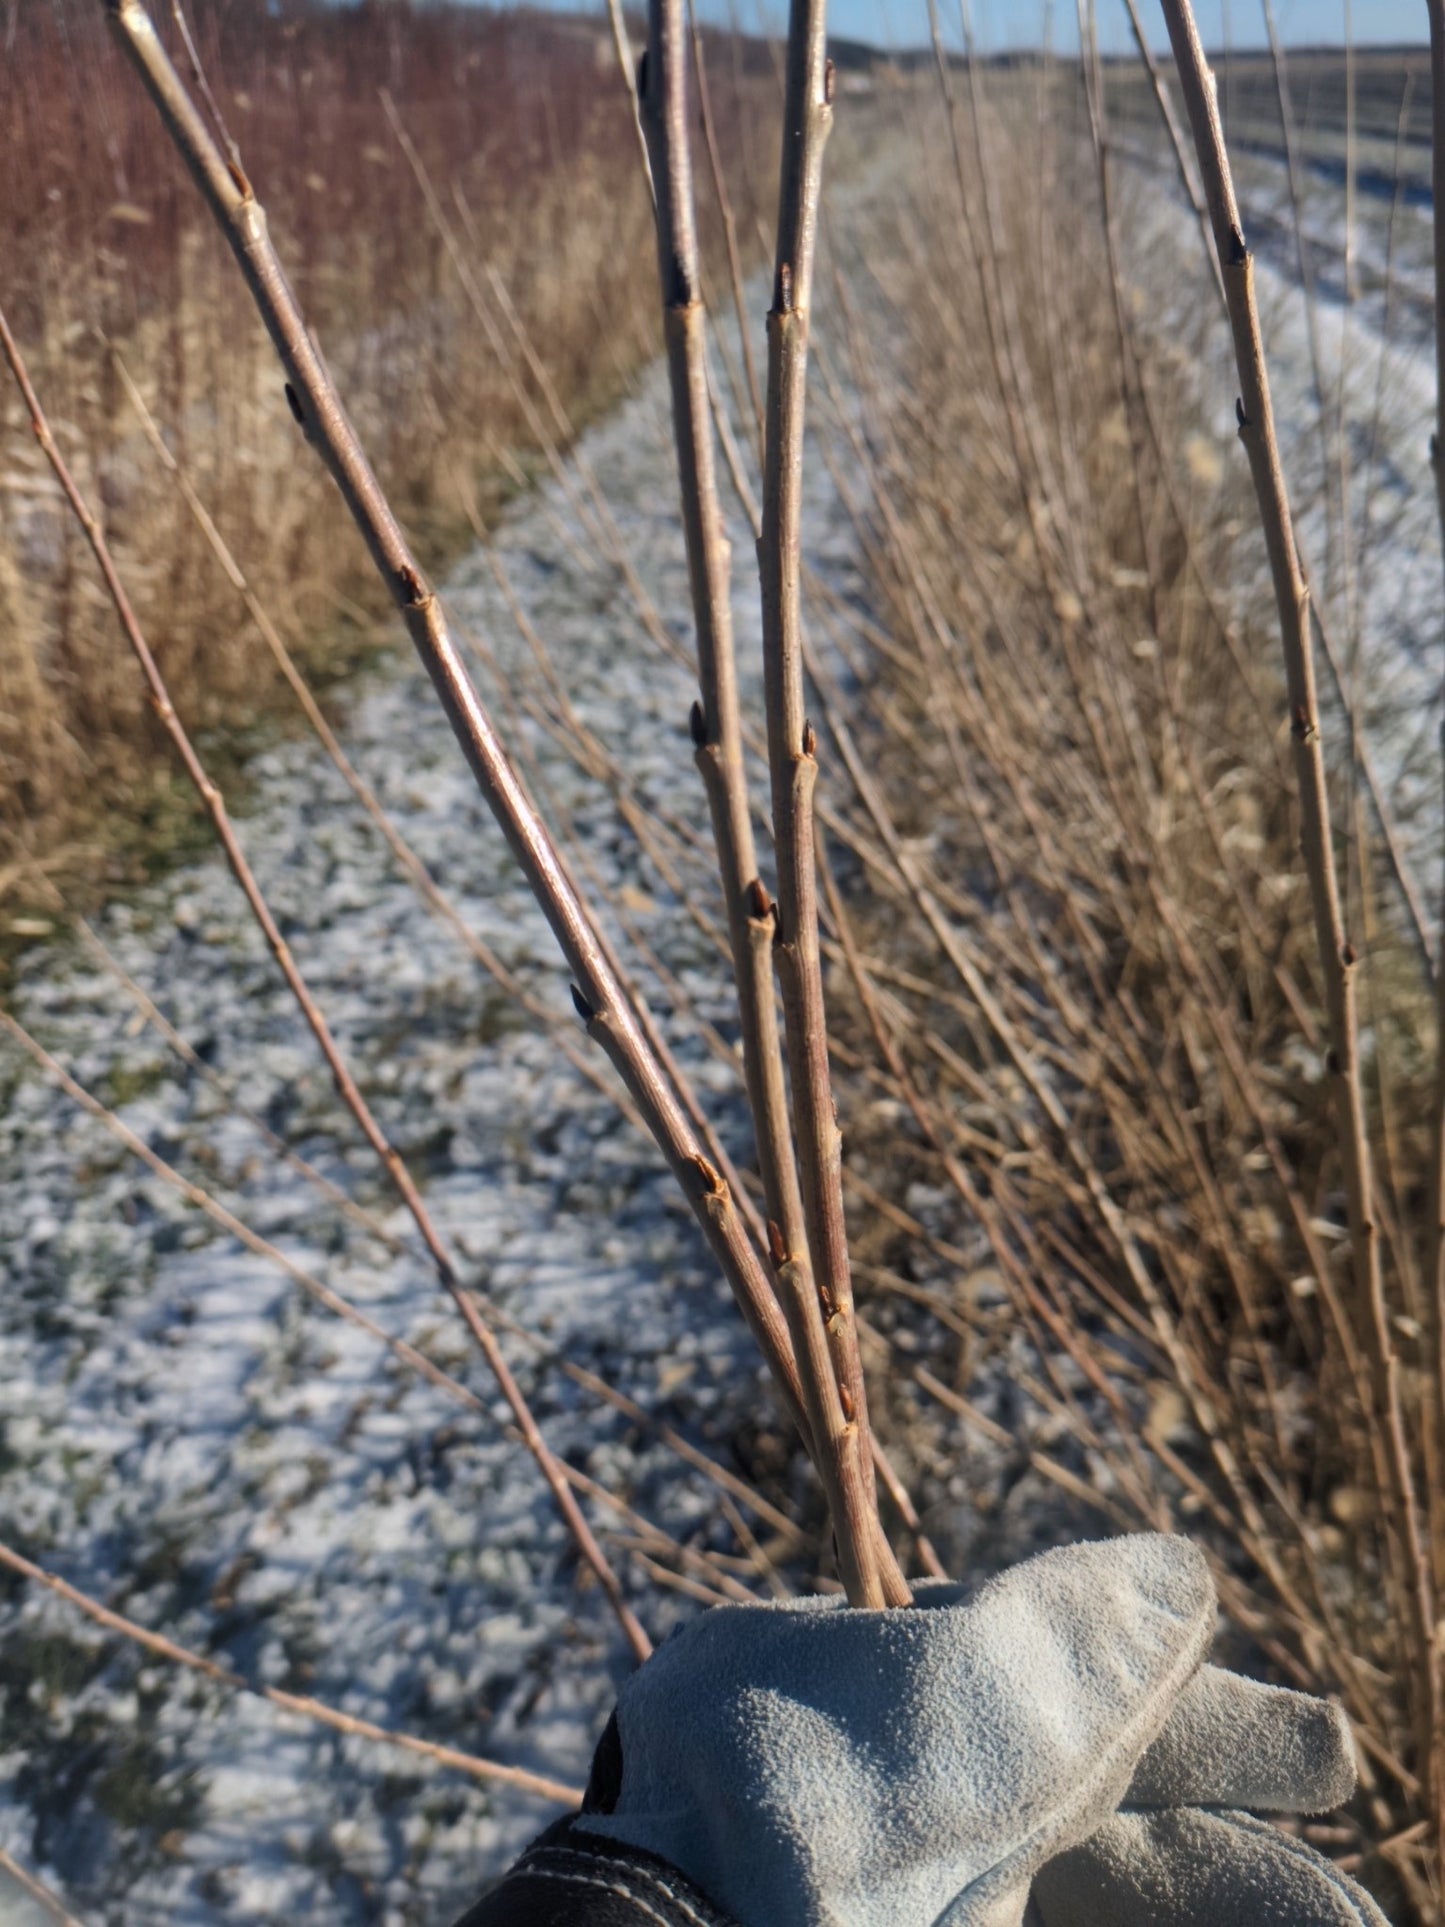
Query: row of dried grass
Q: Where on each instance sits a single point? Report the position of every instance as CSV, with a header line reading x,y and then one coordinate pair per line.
x,y
519,121
1089,958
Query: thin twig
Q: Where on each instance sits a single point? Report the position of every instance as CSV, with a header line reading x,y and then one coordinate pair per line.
x,y
1165,102
312,1709
38,1891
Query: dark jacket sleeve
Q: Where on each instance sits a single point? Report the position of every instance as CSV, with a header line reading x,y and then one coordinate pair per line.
x,y
571,1878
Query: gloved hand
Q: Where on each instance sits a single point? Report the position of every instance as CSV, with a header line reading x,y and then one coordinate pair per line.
x,y
1054,1743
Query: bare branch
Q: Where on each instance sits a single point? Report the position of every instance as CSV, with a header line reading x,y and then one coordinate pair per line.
x,y
792,759
38,1891
717,735
302,1703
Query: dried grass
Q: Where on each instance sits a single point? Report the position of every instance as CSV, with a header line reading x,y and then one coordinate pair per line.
x,y
520,121
1090,962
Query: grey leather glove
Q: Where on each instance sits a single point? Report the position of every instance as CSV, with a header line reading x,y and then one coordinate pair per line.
x,y
1053,1742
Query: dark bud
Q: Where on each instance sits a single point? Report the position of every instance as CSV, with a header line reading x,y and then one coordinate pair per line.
x,y
760,904
1238,252
830,83
1239,415
1332,1062
845,1399
412,585
243,186
697,724
1299,721
293,402
810,740
1349,956
775,1243
580,1004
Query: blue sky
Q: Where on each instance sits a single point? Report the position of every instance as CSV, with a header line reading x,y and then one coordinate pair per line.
x,y
1020,22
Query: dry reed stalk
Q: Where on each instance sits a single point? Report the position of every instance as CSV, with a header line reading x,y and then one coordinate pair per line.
x,y
1164,100
37,1889
729,221
1303,267
472,288
626,62
1336,956
349,1091
536,1784
1335,473
602,1000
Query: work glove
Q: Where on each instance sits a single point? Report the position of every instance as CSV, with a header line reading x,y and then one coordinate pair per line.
x,y
1053,1743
